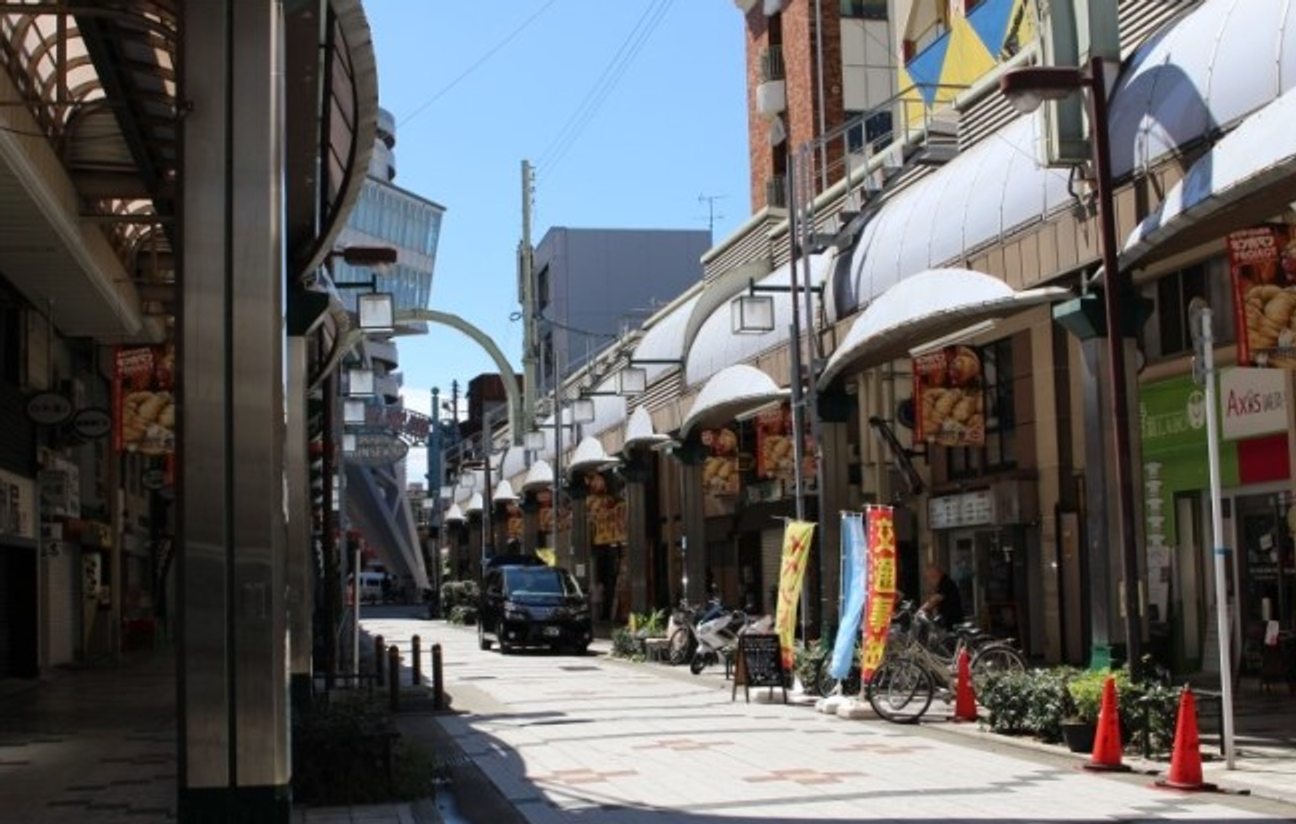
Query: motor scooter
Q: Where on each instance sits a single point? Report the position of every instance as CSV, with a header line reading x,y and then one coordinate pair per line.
x,y
716,636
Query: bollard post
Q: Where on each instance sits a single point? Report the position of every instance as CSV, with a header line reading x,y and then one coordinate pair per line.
x,y
438,697
379,649
393,675
416,651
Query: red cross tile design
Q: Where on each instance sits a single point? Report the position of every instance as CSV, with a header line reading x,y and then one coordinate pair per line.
x,y
885,749
804,777
583,776
682,744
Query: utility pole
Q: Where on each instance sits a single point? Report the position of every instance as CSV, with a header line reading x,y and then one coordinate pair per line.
x,y
527,296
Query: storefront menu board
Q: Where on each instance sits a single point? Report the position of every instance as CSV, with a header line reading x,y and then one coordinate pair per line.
x,y
759,664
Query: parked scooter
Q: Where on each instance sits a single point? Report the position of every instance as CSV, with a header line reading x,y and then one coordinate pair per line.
x,y
717,635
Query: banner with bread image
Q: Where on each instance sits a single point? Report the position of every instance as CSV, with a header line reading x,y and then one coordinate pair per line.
x,y
1262,262
949,392
144,400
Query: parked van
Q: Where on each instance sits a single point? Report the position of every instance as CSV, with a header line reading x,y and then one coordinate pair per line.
x,y
371,587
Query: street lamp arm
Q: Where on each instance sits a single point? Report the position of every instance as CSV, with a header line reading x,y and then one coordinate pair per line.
x,y
484,340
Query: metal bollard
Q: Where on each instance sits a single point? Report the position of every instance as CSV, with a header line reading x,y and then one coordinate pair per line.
x,y
416,650
393,672
438,686
379,648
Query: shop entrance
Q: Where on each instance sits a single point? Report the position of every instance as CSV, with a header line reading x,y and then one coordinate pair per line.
x,y
1265,559
989,568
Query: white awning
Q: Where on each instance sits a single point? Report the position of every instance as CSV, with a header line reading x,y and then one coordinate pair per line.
x,y
1256,162
454,514
639,431
503,493
923,307
474,503
589,457
539,476
731,392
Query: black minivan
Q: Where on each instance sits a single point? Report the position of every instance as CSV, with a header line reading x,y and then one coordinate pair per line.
x,y
533,606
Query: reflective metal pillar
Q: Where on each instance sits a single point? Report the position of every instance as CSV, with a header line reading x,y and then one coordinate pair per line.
x,y
233,701
636,472
300,553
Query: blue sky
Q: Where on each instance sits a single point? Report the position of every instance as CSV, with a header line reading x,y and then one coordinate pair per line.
x,y
629,109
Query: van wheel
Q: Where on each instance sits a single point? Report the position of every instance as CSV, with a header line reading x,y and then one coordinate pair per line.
x,y
505,648
483,642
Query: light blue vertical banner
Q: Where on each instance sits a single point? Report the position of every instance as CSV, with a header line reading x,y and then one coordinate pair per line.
x,y
855,586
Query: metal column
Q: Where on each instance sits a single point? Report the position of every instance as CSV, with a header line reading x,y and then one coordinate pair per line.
x,y
233,696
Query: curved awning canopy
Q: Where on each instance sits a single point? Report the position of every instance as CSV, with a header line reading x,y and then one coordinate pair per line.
x,y
589,457
924,307
733,391
474,504
539,476
1249,175
639,431
454,514
503,493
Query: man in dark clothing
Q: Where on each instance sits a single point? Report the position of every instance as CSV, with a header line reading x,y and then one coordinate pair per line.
x,y
945,602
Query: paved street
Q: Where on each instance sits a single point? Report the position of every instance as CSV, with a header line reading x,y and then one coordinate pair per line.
x,y
611,741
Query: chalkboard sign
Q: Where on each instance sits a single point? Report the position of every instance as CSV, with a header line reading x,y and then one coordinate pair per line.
x,y
760,664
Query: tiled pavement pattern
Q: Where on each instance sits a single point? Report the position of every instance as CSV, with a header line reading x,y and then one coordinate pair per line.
x,y
625,743
595,740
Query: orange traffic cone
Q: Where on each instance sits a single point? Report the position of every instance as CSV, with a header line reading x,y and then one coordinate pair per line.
x,y
1185,762
965,699
1107,743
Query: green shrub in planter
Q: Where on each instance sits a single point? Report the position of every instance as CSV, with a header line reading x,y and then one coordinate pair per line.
x,y
1033,702
348,752
458,593
463,614
1085,689
648,624
626,644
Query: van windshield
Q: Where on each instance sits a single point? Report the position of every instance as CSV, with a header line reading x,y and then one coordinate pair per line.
x,y
539,581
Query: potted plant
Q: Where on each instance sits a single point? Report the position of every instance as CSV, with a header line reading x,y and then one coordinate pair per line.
x,y
1085,694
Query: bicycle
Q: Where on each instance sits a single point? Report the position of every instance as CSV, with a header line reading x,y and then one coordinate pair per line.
x,y
914,669
911,625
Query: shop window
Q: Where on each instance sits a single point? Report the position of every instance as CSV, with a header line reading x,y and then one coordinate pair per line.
x,y
864,9
999,451
1169,334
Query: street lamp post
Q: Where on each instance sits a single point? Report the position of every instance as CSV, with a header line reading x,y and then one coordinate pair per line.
x,y
1026,88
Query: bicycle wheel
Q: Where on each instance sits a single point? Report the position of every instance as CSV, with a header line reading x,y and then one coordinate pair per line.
x,y
992,658
900,691
680,646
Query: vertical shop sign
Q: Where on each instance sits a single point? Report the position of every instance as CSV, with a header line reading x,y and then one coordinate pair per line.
x,y
796,551
144,400
881,586
1262,262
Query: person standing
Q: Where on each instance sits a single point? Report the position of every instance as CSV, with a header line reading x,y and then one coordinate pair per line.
x,y
945,602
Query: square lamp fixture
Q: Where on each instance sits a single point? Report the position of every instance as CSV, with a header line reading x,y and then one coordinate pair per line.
x,y
353,411
447,491
348,443
583,410
534,441
632,380
377,311
360,382
752,314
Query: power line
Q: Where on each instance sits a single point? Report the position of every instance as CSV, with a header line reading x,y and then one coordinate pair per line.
x,y
477,64
598,94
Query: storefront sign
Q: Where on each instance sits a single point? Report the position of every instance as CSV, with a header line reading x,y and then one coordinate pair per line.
x,y
17,502
143,400
967,509
377,449
1172,415
92,423
949,393
1263,265
720,470
49,409
60,491
1253,402
605,512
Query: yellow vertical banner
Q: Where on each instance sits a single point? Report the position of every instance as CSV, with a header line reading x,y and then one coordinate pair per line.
x,y
796,551
881,587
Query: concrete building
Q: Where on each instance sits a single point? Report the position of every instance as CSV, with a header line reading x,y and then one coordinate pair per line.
x,y
592,285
